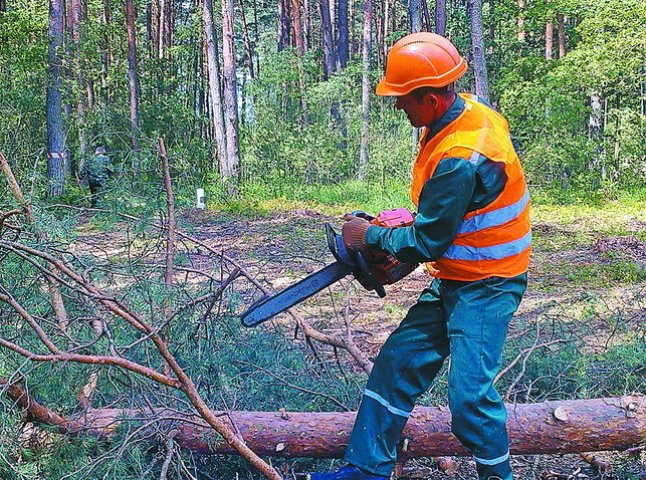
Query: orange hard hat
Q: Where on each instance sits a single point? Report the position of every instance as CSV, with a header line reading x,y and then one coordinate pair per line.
x,y
421,59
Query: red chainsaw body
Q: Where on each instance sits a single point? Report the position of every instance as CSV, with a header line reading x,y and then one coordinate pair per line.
x,y
385,268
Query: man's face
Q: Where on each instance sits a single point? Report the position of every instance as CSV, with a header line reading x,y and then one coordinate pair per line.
x,y
420,112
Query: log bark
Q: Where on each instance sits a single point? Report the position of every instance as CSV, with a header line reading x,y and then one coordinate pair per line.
x,y
556,427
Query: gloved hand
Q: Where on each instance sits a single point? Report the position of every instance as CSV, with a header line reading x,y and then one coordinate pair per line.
x,y
354,232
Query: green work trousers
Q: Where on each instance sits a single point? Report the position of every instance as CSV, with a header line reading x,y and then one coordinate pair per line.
x,y
467,320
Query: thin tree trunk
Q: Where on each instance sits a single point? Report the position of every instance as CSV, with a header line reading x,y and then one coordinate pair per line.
x,y
595,131
155,25
3,6
492,26
284,25
477,42
549,38
328,44
133,83
427,18
560,18
298,28
231,170
256,34
213,68
342,29
55,141
352,44
440,17
247,40
365,90
168,28
106,51
307,26
386,25
520,21
416,25
75,26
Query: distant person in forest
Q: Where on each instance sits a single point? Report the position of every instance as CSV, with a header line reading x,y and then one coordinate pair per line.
x,y
472,229
96,171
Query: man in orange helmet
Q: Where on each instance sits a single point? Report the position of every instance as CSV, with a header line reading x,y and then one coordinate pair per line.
x,y
473,229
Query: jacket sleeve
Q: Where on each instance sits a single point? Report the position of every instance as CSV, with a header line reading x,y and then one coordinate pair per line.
x,y
443,202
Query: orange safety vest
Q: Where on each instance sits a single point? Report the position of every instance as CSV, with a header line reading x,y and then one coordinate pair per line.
x,y
495,240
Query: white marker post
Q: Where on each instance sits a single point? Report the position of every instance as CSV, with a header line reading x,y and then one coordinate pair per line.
x,y
200,198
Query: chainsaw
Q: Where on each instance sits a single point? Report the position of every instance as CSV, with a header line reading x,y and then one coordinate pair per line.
x,y
373,268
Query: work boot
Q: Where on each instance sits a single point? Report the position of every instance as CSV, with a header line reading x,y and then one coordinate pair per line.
x,y
500,471
345,473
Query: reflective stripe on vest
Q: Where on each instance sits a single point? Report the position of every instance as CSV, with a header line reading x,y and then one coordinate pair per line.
x,y
495,218
495,252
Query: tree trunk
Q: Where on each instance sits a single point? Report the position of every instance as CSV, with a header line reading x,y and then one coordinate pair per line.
x,y
351,44
427,18
298,28
106,51
307,26
549,38
596,130
440,17
231,169
213,67
284,25
365,90
477,42
165,31
56,161
415,15
328,44
342,29
3,6
247,40
492,26
560,18
154,29
520,21
415,22
556,427
75,27
133,83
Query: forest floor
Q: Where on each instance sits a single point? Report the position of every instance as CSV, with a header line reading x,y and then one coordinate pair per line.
x,y
586,286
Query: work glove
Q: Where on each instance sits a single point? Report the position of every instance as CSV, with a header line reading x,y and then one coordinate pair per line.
x,y
354,232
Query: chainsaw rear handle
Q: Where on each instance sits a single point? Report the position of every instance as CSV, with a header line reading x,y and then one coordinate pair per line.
x,y
356,260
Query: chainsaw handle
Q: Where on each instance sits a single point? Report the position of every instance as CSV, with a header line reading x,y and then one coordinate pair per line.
x,y
364,270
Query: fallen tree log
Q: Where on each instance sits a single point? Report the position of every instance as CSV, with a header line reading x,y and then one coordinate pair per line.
x,y
557,427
